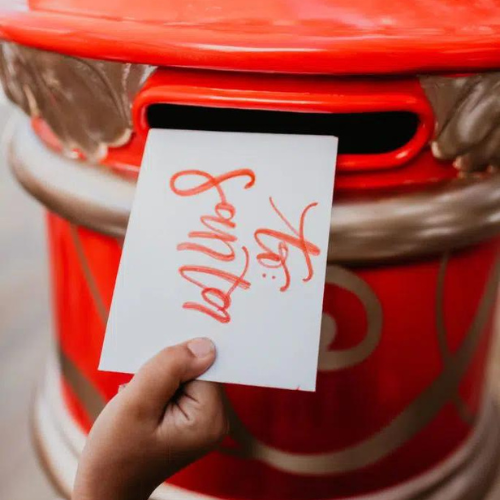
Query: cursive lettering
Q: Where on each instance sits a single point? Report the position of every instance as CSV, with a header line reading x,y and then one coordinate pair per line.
x,y
222,242
275,259
220,301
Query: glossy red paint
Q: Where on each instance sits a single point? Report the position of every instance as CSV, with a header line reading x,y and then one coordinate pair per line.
x,y
292,36
349,405
410,167
300,95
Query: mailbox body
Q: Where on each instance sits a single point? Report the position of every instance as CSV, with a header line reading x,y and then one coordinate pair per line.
x,y
401,409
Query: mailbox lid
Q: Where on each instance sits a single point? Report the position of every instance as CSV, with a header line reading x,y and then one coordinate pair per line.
x,y
292,36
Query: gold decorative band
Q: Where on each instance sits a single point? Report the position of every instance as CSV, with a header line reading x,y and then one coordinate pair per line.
x,y
455,215
406,425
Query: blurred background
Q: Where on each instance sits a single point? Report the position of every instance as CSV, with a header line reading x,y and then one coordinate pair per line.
x,y
24,331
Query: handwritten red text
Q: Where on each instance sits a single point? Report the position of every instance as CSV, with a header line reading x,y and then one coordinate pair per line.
x,y
215,241
278,258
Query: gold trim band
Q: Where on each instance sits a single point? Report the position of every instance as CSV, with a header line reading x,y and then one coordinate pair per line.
x,y
458,214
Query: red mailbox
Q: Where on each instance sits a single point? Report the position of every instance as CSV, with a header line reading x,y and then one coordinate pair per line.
x,y
401,409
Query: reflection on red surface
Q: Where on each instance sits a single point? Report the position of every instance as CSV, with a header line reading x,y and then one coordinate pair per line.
x,y
318,36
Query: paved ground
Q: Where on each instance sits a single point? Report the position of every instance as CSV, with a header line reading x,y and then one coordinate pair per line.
x,y
24,335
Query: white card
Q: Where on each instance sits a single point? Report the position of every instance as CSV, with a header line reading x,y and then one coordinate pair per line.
x,y
227,239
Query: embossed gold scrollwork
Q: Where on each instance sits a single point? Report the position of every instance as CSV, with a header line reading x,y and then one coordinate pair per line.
x,y
466,111
72,95
331,359
397,432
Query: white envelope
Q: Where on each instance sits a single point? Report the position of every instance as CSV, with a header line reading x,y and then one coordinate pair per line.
x,y
227,239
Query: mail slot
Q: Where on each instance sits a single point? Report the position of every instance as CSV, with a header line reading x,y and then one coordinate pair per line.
x,y
402,410
381,129
384,131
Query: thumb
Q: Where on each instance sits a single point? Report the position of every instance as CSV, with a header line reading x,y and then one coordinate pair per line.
x,y
158,380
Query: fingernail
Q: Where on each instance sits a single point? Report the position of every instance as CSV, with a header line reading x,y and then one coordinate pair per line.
x,y
201,347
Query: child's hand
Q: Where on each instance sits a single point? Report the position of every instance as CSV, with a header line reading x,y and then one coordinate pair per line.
x,y
161,422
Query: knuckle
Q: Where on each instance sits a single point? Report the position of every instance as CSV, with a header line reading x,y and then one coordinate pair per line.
x,y
207,426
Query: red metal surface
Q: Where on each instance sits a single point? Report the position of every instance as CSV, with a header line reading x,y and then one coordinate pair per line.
x,y
410,167
319,36
311,95
350,404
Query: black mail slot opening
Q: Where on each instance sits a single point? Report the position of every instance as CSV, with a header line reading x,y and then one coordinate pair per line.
x,y
358,133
